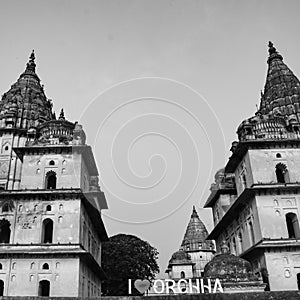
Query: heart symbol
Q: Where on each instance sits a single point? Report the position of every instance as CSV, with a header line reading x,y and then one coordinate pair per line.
x,y
142,285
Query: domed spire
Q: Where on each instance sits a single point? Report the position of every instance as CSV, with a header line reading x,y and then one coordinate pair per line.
x,y
195,234
282,88
25,105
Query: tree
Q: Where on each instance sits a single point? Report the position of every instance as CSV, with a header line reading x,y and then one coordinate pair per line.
x,y
127,257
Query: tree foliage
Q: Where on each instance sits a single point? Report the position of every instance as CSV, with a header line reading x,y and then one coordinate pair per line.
x,y
127,257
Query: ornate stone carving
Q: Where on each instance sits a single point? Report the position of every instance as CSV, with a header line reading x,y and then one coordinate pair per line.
x,y
3,169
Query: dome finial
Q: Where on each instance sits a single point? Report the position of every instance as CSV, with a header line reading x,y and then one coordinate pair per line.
x,y
32,57
30,67
62,115
273,53
272,49
194,213
224,248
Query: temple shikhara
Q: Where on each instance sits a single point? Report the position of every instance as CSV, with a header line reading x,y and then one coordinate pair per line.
x,y
256,198
194,253
50,216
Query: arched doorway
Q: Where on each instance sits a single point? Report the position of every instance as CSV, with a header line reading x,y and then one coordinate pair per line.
x,y
44,288
1,288
292,225
51,179
4,231
265,278
47,231
298,281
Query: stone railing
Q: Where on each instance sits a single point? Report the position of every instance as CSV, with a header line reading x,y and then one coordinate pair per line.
x,y
272,136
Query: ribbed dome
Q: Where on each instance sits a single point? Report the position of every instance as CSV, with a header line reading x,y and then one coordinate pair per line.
x,y
282,87
56,132
229,267
25,105
195,235
180,257
262,127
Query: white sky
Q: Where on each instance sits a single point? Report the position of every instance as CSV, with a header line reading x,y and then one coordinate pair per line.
x,y
217,48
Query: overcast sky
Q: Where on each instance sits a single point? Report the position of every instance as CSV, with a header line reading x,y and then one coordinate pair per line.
x,y
158,141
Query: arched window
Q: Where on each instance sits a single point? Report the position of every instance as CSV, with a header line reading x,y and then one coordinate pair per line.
x,y
240,240
1,267
5,207
51,163
292,225
45,266
47,231
4,231
251,232
217,215
1,287
44,288
48,208
182,275
265,278
234,245
282,173
244,180
50,180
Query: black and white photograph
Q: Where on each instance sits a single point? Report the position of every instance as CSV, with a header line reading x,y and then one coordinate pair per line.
x,y
150,149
